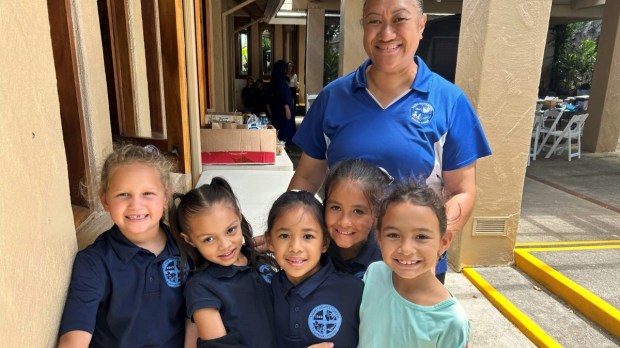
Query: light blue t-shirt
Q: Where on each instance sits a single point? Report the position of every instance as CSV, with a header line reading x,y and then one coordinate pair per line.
x,y
389,320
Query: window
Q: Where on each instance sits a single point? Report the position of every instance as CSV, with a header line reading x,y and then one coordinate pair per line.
x,y
242,47
266,49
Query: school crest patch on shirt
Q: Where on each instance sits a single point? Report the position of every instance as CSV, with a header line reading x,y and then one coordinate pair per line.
x,y
324,321
422,113
172,271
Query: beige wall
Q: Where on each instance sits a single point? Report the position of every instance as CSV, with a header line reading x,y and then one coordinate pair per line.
x,y
352,51
500,55
37,243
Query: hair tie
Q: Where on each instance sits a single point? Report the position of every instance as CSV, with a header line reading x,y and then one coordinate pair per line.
x,y
384,171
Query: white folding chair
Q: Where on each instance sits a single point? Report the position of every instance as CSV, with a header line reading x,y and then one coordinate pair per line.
x,y
556,115
538,120
573,130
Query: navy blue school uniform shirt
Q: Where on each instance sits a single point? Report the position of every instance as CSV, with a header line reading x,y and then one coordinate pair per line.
x,y
243,297
323,308
125,295
357,266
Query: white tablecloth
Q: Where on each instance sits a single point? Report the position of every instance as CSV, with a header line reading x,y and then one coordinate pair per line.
x,y
256,189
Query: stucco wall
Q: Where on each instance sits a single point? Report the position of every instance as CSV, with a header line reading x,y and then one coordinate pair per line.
x,y
37,243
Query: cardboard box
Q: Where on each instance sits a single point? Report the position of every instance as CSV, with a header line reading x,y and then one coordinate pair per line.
x,y
224,117
238,146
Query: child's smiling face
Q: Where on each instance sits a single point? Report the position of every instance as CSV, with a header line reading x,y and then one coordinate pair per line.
x,y
348,215
135,198
217,235
410,240
297,241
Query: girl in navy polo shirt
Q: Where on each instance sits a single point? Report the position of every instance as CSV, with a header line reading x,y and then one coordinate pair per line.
x,y
353,192
404,304
126,288
227,297
313,302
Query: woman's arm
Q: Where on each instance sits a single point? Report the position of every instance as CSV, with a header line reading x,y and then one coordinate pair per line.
x,y
191,334
209,323
75,339
460,184
309,174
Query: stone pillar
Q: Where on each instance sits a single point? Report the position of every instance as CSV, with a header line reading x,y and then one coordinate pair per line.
x,y
315,50
500,54
352,53
603,125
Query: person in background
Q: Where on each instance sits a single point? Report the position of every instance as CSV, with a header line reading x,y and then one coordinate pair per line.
x,y
314,304
260,98
404,304
282,108
247,95
397,114
353,192
227,297
126,289
293,82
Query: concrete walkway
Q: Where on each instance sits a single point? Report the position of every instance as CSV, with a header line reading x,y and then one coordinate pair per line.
x,y
576,205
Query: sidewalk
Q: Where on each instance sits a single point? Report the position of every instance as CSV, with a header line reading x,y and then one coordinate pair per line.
x,y
573,203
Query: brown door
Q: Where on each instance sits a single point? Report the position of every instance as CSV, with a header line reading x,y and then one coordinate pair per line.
x,y
144,54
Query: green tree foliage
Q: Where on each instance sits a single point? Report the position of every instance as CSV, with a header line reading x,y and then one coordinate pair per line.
x,y
331,55
574,61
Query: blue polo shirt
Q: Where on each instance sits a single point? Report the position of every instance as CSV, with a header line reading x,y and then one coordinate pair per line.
x,y
357,266
125,295
323,308
243,298
429,129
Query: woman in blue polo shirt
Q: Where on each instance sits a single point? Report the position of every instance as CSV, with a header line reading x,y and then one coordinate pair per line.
x,y
310,306
394,112
227,297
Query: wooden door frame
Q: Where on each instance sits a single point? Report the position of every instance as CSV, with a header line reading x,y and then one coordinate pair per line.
x,y
70,99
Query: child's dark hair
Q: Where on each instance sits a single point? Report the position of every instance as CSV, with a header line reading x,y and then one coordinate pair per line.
x,y
194,203
125,154
292,199
371,180
419,194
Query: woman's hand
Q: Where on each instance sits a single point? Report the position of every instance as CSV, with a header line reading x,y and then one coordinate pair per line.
x,y
287,112
260,244
322,345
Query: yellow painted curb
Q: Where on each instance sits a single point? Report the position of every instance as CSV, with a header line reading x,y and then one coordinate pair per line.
x,y
590,305
574,242
529,328
569,248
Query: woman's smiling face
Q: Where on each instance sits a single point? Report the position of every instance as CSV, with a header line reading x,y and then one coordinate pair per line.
x,y
392,33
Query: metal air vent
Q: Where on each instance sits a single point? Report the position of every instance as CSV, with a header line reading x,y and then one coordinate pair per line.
x,y
489,226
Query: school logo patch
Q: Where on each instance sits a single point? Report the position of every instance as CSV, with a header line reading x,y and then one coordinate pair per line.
x,y
265,272
422,113
324,321
172,271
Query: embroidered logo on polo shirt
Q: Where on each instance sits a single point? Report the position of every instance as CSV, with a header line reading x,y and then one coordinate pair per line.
x,y
422,113
172,271
324,321
266,272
